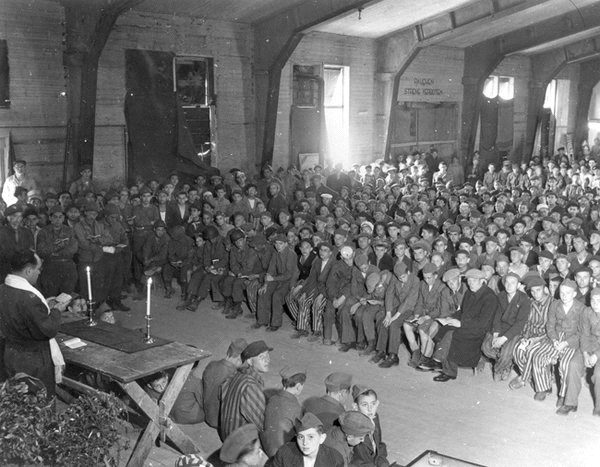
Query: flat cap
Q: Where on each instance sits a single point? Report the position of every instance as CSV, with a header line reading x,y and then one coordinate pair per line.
x,y
91,206
341,232
237,442
308,421
518,248
145,191
475,274
9,211
55,209
400,268
254,349
546,254
422,244
372,281
288,371
361,259
236,234
355,423
533,280
451,274
429,268
338,381
569,283
279,238
502,259
358,389
112,210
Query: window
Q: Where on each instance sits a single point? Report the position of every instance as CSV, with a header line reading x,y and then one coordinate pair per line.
x,y
499,86
337,112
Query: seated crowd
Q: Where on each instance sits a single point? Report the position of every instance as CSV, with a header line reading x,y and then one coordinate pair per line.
x,y
498,266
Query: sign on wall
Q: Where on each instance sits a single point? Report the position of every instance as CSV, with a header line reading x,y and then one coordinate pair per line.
x,y
429,88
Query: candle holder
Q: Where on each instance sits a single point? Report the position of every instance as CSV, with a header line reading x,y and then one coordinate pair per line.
x,y
147,338
91,320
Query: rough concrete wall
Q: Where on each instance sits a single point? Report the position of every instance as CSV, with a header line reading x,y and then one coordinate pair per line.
x,y
331,49
37,115
518,67
231,46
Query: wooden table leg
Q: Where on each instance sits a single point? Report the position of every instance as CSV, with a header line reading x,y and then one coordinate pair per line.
x,y
151,409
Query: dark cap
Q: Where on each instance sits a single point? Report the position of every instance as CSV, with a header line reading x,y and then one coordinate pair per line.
x,y
338,381
236,234
423,245
429,268
357,390
546,254
237,442
55,209
569,283
308,421
354,423
288,371
254,349
279,238
91,206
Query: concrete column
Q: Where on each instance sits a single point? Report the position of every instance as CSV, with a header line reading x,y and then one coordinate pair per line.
x,y
480,61
588,78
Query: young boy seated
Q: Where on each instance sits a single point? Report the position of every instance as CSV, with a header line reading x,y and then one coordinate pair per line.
x,y
372,449
308,448
349,432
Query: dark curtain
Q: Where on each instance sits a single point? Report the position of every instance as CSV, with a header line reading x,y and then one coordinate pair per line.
x,y
150,113
497,129
505,126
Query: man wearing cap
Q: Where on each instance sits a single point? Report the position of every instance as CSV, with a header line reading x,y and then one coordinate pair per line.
x,y
562,345
281,273
242,397
93,239
534,332
242,448
215,373
308,448
312,297
13,237
283,409
57,246
350,432
472,322
582,279
427,309
508,323
372,450
400,300
330,406
143,218
18,179
244,266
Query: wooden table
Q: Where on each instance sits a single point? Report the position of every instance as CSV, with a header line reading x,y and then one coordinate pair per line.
x,y
126,368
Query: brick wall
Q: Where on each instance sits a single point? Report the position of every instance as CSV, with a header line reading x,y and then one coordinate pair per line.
x,y
37,115
331,49
231,46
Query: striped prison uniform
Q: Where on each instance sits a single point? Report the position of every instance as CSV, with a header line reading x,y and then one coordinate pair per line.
x,y
532,336
252,294
561,327
242,401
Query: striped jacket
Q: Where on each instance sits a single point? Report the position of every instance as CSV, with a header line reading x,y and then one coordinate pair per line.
x,y
242,401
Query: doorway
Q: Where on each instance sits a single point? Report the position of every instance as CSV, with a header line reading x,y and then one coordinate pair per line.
x,y
337,113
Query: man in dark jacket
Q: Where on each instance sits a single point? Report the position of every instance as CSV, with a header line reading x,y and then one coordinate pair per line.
x,y
508,323
472,322
330,406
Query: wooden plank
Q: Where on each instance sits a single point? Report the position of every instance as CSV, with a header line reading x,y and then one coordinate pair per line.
x,y
124,367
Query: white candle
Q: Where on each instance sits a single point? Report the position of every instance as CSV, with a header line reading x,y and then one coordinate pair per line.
x,y
148,299
89,282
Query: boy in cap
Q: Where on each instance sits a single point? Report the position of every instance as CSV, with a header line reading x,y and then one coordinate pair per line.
x,y
372,449
308,449
331,405
562,345
347,434
215,373
400,300
427,309
534,332
242,448
242,397
283,409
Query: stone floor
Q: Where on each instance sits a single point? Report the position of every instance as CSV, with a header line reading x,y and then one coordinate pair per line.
x,y
473,418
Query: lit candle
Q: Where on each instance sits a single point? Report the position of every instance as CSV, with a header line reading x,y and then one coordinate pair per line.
x,y
148,299
89,282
